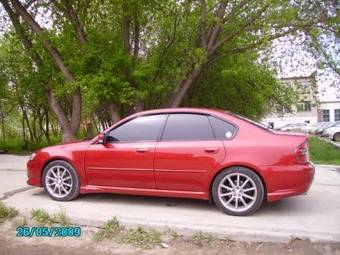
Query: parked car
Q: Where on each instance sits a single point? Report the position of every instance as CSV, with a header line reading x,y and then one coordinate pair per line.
x,y
313,129
332,133
294,126
187,153
326,132
319,130
336,136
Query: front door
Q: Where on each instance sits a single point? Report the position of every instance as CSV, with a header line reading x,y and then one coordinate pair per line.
x,y
127,159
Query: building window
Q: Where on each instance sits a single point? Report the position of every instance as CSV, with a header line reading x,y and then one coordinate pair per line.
x,y
304,107
337,114
325,115
282,109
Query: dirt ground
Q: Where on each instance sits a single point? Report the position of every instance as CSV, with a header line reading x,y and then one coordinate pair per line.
x,y
85,245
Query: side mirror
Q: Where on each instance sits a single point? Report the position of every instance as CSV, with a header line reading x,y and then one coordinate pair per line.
x,y
102,138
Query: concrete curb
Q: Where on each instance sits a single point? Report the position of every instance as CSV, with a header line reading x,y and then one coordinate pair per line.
x,y
234,232
329,166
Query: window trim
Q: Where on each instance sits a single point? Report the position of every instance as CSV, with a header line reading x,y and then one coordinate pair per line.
x,y
139,141
165,120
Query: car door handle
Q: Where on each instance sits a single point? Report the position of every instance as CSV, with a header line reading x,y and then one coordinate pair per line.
x,y
211,150
142,150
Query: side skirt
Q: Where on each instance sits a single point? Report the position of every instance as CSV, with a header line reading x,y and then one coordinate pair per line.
x,y
143,192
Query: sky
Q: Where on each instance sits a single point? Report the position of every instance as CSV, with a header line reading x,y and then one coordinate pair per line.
x,y
289,58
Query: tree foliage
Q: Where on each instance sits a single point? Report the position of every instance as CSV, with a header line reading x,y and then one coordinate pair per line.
x,y
106,59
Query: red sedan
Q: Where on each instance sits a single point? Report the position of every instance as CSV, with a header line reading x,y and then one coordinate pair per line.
x,y
188,153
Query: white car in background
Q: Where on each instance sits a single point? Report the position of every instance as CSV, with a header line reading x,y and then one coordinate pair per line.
x,y
294,126
312,128
328,131
332,133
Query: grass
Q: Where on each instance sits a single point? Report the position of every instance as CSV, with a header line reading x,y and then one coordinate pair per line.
x,y
142,238
61,218
138,237
18,146
7,212
41,216
202,239
109,231
322,152
20,221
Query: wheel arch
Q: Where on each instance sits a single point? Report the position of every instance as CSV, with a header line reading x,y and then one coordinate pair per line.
x,y
336,133
251,168
55,159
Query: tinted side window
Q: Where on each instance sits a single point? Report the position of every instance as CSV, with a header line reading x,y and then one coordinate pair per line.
x,y
145,128
222,129
187,127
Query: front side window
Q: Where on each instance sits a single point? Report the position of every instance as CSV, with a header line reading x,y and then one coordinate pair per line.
x,y
222,129
187,127
145,128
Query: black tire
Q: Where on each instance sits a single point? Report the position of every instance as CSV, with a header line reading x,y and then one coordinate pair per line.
x,y
254,181
336,137
75,186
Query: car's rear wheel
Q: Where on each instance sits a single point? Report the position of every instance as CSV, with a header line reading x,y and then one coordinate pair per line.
x,y
61,181
336,137
238,191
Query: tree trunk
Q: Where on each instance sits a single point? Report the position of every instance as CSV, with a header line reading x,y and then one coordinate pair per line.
x,y
47,127
69,129
25,119
113,112
68,135
183,87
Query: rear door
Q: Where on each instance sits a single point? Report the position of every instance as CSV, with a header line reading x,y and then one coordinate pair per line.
x,y
127,159
187,152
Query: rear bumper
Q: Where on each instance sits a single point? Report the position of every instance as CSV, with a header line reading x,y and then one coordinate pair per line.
x,y
34,173
298,182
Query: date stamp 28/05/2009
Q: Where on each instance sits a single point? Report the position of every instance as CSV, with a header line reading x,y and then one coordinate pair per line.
x,y
25,231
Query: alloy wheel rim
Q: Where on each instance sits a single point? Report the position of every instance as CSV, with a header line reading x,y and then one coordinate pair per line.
x,y
237,192
58,181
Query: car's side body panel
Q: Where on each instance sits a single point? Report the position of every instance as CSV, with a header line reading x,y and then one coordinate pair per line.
x,y
186,165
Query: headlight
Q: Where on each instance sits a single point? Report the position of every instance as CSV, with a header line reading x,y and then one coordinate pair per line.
x,y
32,156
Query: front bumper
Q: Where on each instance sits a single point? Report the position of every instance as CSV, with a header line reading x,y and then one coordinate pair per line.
x,y
34,173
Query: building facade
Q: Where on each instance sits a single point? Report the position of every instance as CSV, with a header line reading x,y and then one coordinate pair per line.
x,y
329,111
306,110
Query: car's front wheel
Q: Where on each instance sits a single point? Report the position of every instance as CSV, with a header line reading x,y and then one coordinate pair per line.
x,y
238,191
61,181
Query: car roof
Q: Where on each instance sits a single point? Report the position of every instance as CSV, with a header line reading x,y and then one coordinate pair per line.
x,y
181,110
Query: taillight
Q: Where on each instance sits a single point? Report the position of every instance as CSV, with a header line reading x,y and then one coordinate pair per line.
x,y
302,153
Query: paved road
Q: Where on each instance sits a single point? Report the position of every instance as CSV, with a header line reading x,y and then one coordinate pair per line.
x,y
315,216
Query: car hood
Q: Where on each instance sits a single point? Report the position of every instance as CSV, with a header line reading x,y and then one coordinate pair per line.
x,y
68,146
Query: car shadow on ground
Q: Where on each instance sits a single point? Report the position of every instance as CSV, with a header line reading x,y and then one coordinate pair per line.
x,y
281,207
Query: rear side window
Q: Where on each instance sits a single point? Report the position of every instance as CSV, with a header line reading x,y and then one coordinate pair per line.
x,y
222,129
187,127
145,128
